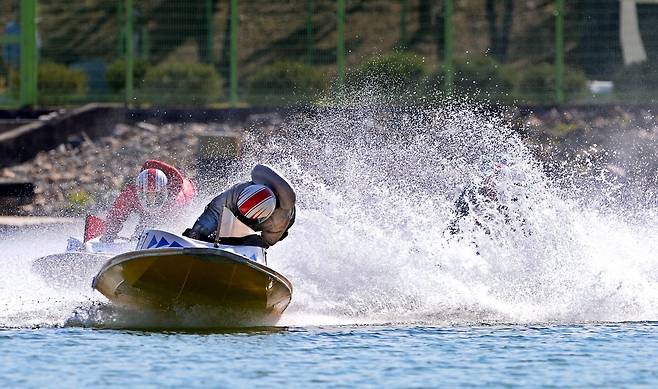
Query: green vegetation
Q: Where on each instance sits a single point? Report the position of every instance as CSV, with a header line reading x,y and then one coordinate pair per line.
x,y
637,81
562,130
536,83
303,81
479,78
184,84
57,83
58,79
78,201
115,74
484,77
514,35
396,74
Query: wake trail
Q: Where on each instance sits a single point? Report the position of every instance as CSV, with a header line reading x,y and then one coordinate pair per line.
x,y
376,190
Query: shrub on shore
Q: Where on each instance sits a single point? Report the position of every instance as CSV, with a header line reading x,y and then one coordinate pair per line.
x,y
115,74
397,74
536,83
182,84
57,83
480,78
56,78
638,80
286,81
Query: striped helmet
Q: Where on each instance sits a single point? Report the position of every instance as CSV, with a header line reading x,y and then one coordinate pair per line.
x,y
152,189
256,202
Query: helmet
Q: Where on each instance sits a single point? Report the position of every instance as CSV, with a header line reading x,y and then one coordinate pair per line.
x,y
499,167
494,166
256,202
152,189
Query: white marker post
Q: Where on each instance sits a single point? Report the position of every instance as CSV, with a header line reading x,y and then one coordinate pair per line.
x,y
629,29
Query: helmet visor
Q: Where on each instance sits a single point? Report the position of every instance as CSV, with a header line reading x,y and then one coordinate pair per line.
x,y
152,200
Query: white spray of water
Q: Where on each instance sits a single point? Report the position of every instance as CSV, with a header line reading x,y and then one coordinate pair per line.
x,y
26,299
376,190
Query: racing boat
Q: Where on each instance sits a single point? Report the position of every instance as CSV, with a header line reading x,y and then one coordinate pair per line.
x,y
82,259
168,271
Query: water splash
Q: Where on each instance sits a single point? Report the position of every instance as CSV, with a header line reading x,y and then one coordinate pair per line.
x,y
26,300
376,189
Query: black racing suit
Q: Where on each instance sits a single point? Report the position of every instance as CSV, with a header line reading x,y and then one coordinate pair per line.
x,y
474,197
208,226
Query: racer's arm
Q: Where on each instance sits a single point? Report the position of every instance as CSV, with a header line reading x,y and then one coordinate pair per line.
x,y
124,205
276,227
186,195
211,218
206,224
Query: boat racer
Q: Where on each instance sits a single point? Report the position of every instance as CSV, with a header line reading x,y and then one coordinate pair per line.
x,y
159,189
265,204
489,199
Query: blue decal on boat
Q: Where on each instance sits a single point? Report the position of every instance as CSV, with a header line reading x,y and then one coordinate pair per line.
x,y
253,257
162,242
152,243
175,244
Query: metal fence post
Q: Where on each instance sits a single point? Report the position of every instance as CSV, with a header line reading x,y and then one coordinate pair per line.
x,y
403,24
340,43
121,40
129,52
28,53
447,44
559,51
209,32
309,31
234,53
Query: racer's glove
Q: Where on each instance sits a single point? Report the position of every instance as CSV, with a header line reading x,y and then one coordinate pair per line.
x,y
190,233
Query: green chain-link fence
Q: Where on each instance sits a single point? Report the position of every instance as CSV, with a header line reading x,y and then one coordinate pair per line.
x,y
9,63
220,52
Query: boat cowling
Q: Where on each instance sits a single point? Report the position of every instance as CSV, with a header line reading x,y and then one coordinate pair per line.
x,y
158,239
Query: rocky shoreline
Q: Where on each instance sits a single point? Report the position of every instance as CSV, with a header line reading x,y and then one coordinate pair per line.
x,y
84,175
622,141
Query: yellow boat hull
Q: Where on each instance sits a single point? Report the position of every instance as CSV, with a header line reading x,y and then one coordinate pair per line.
x,y
166,279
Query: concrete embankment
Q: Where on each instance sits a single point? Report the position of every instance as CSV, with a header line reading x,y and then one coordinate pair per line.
x,y
48,131
83,174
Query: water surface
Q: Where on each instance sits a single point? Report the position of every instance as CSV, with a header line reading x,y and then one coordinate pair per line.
x,y
611,355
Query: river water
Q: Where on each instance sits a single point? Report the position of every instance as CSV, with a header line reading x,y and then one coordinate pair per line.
x,y
560,289
602,355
